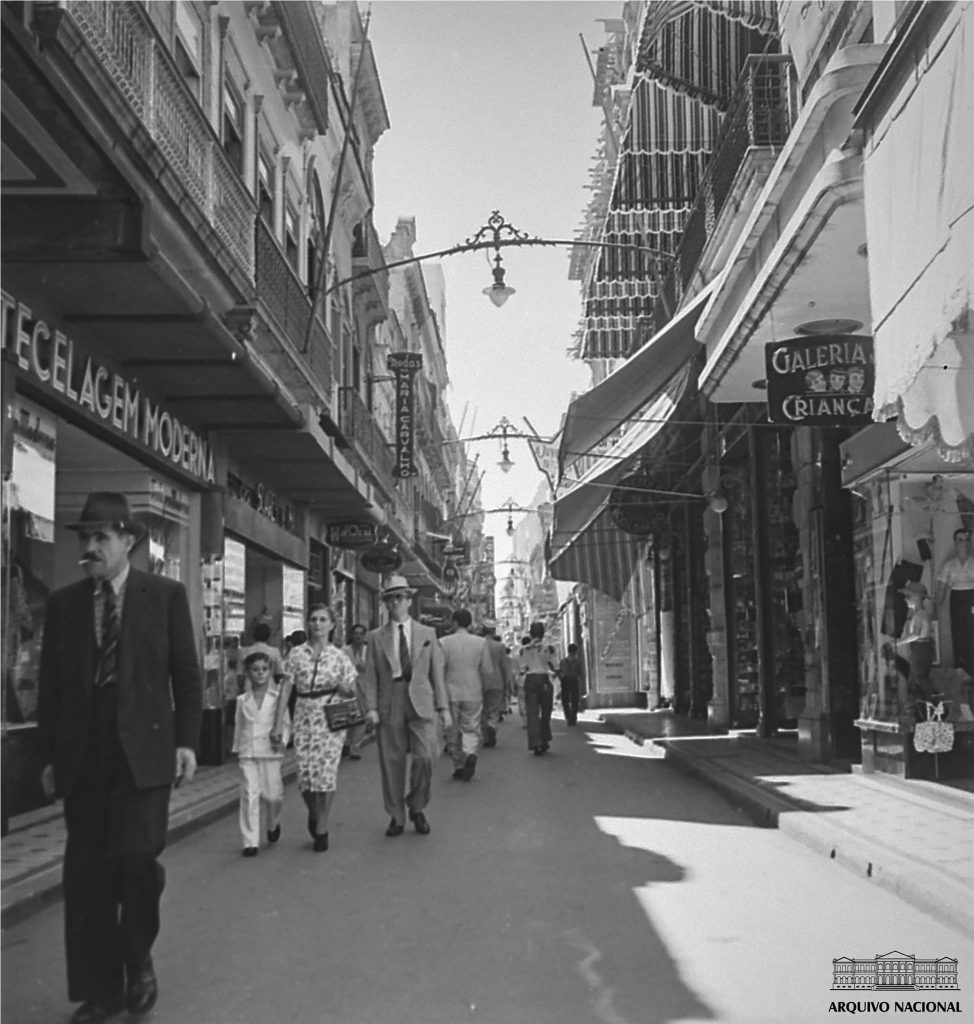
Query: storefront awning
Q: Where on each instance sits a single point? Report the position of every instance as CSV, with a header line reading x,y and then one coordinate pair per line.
x,y
641,378
602,556
919,204
585,545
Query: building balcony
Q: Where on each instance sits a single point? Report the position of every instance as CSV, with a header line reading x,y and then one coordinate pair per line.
x,y
283,301
361,430
756,126
183,149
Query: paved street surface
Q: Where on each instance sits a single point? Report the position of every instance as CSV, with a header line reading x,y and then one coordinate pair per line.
x,y
597,884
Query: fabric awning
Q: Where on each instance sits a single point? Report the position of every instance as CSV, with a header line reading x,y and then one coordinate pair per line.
x,y
921,252
594,415
602,556
585,545
698,48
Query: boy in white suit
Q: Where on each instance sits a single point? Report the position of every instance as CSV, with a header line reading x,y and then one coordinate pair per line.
x,y
259,757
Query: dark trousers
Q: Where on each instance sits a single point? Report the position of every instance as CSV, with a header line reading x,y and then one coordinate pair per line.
x,y
112,880
539,695
569,698
962,629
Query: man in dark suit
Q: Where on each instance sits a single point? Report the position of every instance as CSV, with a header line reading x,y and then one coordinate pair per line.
x,y
120,707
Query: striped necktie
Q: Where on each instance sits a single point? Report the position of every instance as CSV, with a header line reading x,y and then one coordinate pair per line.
x,y
404,663
108,654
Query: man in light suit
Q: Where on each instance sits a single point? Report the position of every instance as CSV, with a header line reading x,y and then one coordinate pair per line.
x,y
120,707
468,671
404,690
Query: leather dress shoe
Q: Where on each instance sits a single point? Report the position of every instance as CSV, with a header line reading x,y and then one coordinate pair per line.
x,y
142,990
458,773
420,823
273,834
395,828
321,843
94,1011
469,767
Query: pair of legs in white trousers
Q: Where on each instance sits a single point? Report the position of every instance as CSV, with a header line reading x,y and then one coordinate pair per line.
x,y
464,738
261,782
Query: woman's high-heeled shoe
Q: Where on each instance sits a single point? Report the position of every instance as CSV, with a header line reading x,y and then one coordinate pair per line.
x,y
321,843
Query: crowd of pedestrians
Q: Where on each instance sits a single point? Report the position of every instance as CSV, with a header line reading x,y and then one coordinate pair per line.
x,y
121,711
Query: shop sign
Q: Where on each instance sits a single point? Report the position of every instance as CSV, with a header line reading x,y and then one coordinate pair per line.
x,y
403,366
450,580
62,366
631,506
264,500
293,592
351,534
458,554
380,558
820,381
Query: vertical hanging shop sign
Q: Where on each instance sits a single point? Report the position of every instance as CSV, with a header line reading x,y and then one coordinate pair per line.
x,y
403,366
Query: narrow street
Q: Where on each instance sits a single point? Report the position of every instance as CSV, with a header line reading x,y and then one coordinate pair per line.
x,y
597,884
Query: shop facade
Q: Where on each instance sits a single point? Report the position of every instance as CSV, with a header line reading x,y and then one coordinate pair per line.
x,y
75,422
911,475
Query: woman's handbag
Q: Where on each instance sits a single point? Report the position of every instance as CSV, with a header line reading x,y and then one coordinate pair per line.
x,y
344,713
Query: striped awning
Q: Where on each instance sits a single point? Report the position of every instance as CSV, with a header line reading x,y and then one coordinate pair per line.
x,y
585,546
603,556
597,413
698,48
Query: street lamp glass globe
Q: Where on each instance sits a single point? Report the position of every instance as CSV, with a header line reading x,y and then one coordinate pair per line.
x,y
505,463
498,293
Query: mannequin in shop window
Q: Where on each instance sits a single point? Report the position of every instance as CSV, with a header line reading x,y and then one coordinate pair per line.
x,y
955,588
918,640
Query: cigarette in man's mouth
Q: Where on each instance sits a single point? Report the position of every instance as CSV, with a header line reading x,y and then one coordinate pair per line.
x,y
87,558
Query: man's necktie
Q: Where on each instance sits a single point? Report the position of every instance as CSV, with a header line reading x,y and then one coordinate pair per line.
x,y
404,663
108,654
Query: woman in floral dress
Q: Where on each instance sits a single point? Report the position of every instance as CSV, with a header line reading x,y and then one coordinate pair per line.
x,y
320,673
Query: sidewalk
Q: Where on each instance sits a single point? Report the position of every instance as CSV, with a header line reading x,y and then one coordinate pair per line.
x,y
32,851
913,837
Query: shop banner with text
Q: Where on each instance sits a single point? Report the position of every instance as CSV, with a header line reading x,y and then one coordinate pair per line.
x,y
403,366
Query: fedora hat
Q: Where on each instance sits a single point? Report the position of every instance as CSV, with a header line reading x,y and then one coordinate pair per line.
x,y
107,508
397,585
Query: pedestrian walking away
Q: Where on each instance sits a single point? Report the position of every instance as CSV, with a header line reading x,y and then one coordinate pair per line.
x,y
404,691
537,666
259,756
467,669
571,673
499,685
320,673
119,715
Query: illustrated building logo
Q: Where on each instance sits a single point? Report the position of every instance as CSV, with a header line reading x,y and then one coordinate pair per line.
x,y
894,972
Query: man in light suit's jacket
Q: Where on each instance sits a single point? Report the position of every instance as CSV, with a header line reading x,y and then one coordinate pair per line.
x,y
120,707
404,691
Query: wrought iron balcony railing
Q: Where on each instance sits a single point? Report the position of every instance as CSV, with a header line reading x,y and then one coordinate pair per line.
x,y
760,116
122,36
360,427
286,299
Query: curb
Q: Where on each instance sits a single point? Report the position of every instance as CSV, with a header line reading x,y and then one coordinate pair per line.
x,y
923,886
28,896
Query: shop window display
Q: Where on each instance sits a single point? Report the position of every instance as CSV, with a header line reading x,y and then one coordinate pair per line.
x,y
911,654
